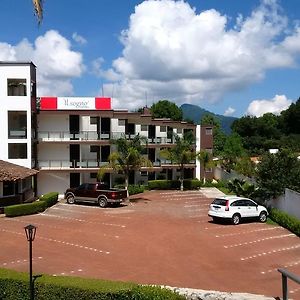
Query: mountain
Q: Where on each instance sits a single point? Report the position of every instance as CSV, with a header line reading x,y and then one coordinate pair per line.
x,y
195,113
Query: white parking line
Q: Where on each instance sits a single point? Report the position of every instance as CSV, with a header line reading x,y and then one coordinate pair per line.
x,y
289,265
271,252
261,240
66,273
20,261
81,220
250,231
197,209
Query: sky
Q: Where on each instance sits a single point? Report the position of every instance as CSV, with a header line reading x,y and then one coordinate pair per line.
x,y
230,57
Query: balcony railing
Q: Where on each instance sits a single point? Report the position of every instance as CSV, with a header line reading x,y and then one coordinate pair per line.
x,y
68,136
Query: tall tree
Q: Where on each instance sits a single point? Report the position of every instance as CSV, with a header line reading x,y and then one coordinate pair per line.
x,y
182,153
38,9
127,157
166,109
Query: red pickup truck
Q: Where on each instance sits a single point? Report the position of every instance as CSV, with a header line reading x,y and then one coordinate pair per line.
x,y
95,193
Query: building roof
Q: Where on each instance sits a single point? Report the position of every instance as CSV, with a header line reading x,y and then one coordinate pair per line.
x,y
12,172
17,63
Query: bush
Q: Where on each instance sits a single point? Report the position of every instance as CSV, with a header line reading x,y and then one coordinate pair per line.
x,y
135,189
285,220
25,209
14,286
188,184
50,198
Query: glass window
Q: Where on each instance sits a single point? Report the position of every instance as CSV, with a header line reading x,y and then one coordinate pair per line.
x,y
179,130
16,87
208,131
163,128
82,186
221,202
121,122
93,175
8,188
209,150
93,120
17,151
17,125
144,127
249,203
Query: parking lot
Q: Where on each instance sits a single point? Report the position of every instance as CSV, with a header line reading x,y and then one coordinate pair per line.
x,y
162,237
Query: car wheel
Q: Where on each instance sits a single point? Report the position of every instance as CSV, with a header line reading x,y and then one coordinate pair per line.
x,y
263,217
102,202
215,219
71,199
236,219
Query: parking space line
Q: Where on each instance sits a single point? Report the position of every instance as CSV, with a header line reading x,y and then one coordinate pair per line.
x,y
250,231
81,220
289,265
20,261
66,273
270,252
261,240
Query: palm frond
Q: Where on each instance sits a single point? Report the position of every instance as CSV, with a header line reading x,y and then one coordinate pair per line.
x,y
38,9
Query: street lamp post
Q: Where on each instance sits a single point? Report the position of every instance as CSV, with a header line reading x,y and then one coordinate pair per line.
x,y
30,231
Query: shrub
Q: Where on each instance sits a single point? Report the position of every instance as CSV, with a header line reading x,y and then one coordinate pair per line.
x,y
25,209
135,189
50,198
285,220
189,184
14,286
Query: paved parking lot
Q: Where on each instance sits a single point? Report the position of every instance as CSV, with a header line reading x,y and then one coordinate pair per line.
x,y
163,237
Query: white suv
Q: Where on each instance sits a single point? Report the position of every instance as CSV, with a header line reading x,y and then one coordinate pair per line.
x,y
236,208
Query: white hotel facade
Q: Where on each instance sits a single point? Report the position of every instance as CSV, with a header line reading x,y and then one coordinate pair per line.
x,y
68,138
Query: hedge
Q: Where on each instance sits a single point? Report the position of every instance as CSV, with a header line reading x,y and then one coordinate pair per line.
x,y
45,201
24,209
188,184
285,220
14,286
135,189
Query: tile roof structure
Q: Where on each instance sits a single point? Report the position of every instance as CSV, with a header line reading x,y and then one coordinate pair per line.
x,y
12,172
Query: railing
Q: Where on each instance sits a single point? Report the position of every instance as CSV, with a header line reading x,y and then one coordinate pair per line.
x,y
68,136
285,275
65,164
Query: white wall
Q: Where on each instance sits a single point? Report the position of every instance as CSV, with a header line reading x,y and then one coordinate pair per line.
x,y
53,122
50,151
52,182
198,148
15,103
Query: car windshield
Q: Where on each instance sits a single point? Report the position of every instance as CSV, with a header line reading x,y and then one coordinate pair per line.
x,y
220,202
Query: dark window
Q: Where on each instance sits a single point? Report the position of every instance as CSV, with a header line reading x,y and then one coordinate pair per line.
x,y
249,203
208,131
239,203
105,152
93,175
94,148
16,87
221,202
17,151
90,187
144,127
17,125
82,186
94,120
8,188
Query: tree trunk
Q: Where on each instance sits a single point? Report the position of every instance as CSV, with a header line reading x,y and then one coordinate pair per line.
x,y
181,178
126,182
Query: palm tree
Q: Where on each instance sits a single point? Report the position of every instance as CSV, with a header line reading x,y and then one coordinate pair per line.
x,y
38,9
127,157
206,161
182,153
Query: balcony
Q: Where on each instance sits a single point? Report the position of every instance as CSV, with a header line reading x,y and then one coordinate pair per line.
x,y
67,165
60,136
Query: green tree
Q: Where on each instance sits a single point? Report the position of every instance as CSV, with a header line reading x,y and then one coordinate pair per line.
x,y
245,166
291,118
206,161
218,134
278,171
127,157
233,150
182,153
166,109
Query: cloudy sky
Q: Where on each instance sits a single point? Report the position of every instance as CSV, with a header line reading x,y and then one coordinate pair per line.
x,y
230,57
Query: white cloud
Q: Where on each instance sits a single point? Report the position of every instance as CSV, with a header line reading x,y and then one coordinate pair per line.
x,y
276,105
172,52
56,63
79,38
229,111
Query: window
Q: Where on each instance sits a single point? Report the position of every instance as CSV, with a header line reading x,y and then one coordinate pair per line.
x,y
144,173
16,87
17,151
121,122
94,148
209,150
8,188
144,127
94,120
179,130
208,170
221,202
93,175
208,131
17,125
163,128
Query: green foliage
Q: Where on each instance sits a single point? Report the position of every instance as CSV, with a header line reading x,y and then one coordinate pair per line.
x,y
290,118
188,184
135,189
276,172
25,209
245,166
166,109
285,220
50,198
14,286
241,187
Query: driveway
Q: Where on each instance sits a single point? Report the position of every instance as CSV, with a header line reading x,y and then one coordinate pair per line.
x,y
163,237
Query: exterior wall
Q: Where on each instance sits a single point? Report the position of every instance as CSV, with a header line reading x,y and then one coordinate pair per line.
x,y
206,144
289,203
15,103
198,148
53,123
